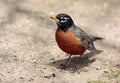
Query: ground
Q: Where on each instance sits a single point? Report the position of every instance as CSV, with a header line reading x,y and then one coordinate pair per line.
x,y
29,52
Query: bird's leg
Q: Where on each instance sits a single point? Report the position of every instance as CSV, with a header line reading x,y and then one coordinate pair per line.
x,y
67,61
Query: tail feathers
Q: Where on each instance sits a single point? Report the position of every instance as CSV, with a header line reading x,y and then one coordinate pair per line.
x,y
96,38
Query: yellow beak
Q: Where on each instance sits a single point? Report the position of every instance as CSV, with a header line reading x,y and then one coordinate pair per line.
x,y
54,18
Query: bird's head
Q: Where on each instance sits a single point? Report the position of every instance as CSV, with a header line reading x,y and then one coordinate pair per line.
x,y
63,21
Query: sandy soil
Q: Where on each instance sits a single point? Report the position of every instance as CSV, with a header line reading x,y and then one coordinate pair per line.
x,y
29,53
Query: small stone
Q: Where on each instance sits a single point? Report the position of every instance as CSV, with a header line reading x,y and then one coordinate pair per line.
x,y
21,78
54,62
45,68
52,59
98,68
31,79
54,75
15,59
47,77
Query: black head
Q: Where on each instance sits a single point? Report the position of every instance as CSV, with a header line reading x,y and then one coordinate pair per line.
x,y
63,21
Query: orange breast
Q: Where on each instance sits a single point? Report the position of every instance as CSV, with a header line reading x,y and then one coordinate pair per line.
x,y
69,43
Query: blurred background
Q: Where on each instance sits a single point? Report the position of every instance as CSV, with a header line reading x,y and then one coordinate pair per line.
x,y
28,47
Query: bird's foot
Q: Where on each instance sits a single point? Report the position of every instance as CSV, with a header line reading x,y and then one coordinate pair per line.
x,y
63,66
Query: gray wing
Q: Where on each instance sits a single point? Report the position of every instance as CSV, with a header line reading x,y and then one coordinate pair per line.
x,y
87,41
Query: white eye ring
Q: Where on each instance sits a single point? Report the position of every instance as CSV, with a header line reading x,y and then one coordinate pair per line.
x,y
61,17
66,18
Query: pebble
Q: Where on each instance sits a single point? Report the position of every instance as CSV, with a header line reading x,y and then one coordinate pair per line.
x,y
98,68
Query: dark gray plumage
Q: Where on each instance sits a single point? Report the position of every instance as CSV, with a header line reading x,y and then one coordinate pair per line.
x,y
87,40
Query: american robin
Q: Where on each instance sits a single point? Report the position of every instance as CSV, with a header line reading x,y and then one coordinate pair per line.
x,y
70,38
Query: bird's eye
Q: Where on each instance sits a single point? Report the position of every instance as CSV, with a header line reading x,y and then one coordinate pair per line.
x,y
63,19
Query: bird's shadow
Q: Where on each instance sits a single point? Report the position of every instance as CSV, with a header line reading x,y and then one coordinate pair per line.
x,y
76,62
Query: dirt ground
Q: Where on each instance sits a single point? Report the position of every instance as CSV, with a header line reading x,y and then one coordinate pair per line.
x,y
28,50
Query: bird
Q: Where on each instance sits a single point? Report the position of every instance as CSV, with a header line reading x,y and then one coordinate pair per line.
x,y
72,39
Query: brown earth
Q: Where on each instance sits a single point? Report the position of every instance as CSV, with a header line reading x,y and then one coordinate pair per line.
x,y
28,50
